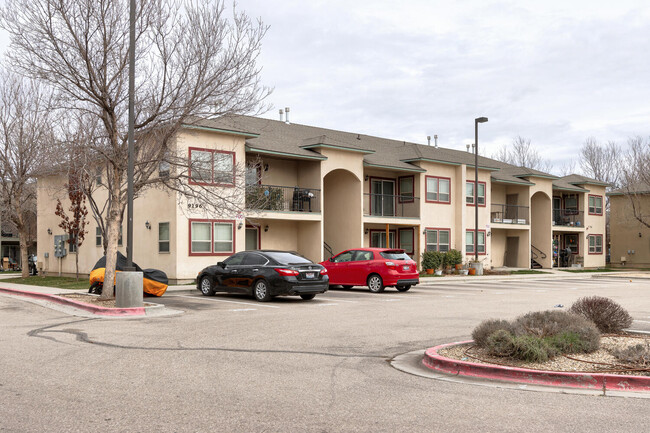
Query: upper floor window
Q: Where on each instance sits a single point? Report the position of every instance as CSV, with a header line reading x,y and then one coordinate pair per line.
x,y
438,189
469,242
595,205
253,174
469,193
209,166
405,189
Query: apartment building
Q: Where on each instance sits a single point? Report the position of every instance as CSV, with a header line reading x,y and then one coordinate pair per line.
x,y
630,239
319,191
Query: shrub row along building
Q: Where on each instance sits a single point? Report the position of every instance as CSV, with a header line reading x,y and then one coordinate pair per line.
x,y
318,191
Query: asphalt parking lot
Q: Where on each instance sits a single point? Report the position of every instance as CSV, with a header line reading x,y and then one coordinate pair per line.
x,y
232,364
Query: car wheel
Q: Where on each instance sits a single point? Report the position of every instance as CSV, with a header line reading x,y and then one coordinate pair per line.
x,y
346,287
308,296
403,288
261,291
206,287
375,283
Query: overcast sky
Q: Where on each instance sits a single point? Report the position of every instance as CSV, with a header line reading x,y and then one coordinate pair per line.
x,y
556,72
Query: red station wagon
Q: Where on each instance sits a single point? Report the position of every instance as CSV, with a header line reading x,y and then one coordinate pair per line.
x,y
376,268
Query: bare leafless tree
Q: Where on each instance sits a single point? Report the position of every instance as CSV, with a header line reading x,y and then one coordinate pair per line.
x,y
26,142
635,178
522,154
567,168
601,162
193,60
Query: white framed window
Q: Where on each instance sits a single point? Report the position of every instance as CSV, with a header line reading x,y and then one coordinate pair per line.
x,y
595,205
405,189
98,237
73,244
222,237
469,242
163,237
201,237
438,189
212,167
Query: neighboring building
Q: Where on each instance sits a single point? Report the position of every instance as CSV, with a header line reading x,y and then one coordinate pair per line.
x,y
10,242
630,239
330,190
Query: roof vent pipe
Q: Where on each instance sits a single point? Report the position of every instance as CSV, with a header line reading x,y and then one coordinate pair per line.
x,y
286,110
281,113
435,138
467,145
428,140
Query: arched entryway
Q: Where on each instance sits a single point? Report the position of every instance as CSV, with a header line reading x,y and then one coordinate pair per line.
x,y
541,230
342,211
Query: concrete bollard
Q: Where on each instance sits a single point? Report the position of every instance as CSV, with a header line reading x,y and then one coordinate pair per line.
x,y
128,290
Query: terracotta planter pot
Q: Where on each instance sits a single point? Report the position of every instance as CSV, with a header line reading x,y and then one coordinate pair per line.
x,y
430,271
472,271
459,267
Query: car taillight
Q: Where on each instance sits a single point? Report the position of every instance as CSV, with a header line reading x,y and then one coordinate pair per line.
x,y
287,272
390,265
323,271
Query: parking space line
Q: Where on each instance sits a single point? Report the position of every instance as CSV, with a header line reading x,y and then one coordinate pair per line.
x,y
223,300
334,298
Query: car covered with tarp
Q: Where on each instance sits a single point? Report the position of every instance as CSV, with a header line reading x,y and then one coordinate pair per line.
x,y
154,281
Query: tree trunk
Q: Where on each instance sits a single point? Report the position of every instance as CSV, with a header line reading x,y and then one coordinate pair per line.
x,y
113,223
76,263
24,263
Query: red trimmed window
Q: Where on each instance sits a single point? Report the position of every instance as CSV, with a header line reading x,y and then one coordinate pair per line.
x,y
437,239
378,239
469,193
469,242
212,237
438,189
595,204
595,244
212,167
405,189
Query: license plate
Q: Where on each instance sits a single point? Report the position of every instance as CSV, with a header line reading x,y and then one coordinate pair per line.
x,y
406,267
309,274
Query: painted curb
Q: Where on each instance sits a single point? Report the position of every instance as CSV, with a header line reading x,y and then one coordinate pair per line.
x,y
98,311
596,381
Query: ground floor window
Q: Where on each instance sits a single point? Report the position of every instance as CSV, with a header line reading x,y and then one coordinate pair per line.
x,y
212,237
469,242
595,244
163,237
378,239
98,237
437,239
73,244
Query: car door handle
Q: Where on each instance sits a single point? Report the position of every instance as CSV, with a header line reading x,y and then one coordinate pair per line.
x,y
234,271
255,270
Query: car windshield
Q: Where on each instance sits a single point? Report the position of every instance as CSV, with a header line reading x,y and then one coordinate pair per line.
x,y
286,258
395,255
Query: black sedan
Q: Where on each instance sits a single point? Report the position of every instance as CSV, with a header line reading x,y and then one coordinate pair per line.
x,y
264,274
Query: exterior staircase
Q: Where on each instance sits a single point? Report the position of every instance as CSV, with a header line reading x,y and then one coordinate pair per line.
x,y
536,254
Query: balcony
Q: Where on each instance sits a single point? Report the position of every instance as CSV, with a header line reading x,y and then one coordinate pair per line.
x,y
568,218
282,198
509,214
386,205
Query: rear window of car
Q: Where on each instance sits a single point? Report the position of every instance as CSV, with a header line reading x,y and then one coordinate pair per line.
x,y
394,255
287,258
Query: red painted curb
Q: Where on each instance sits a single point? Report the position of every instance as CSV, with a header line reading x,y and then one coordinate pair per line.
x,y
99,311
597,381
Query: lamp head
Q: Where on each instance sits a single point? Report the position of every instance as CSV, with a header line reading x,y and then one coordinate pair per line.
x,y
481,119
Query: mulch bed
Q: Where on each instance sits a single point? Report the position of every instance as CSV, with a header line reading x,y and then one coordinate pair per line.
x,y
94,300
600,361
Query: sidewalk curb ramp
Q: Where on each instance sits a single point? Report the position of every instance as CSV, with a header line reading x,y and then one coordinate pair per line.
x,y
93,309
594,381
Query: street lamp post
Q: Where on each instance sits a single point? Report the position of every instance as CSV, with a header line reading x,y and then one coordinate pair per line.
x,y
476,122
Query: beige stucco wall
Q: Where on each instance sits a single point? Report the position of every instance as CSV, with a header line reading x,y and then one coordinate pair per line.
x,y
625,230
594,224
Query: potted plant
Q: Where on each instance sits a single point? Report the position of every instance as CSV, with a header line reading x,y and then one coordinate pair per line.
x,y
431,261
454,259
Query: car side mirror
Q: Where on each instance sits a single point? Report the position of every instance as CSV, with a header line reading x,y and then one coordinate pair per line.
x,y
332,259
221,264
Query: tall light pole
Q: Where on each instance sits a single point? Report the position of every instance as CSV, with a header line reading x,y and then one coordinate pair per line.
x,y
129,215
476,122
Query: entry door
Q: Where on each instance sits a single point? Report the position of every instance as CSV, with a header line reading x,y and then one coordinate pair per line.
x,y
511,208
512,251
383,197
252,238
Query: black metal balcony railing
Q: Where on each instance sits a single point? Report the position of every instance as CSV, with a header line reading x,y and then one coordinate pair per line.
x,y
387,205
568,218
282,198
509,214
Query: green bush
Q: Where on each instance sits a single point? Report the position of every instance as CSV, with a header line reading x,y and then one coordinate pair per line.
x,y
608,315
453,257
488,327
432,259
538,336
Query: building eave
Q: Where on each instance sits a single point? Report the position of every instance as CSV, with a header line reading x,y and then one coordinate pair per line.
x,y
285,154
219,130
